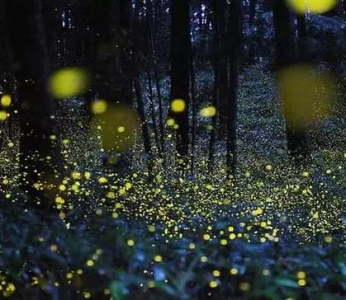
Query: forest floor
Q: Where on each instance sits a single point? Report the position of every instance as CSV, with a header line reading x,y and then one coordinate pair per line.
x,y
279,233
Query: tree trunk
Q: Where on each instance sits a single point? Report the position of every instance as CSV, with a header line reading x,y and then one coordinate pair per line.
x,y
285,53
35,106
180,70
234,47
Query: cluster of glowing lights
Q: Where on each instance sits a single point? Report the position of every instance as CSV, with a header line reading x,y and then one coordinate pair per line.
x,y
311,6
5,102
68,82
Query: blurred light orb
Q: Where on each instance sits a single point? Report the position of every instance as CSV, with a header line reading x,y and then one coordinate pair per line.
x,y
312,6
170,122
68,82
208,112
117,127
178,105
99,106
306,94
6,100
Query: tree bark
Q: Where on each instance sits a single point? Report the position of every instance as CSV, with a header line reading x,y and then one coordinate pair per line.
x,y
180,69
285,54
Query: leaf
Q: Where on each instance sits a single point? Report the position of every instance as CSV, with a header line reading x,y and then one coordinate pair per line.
x,y
286,282
118,290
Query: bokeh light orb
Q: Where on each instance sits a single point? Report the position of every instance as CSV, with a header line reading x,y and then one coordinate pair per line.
x,y
178,105
117,127
311,6
306,94
68,82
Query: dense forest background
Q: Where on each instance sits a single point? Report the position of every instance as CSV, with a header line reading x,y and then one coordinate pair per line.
x,y
182,149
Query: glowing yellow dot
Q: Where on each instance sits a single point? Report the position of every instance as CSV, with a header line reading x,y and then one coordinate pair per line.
x,y
216,273
128,185
269,167
265,272
151,284
65,141
76,175
68,82
121,129
204,259
3,115
87,175
130,243
158,258
170,122
151,228
178,105
6,100
232,236
110,195
213,284
11,144
87,295
313,6
206,237
302,282
328,239
62,187
223,242
257,211
305,174
230,228
263,224
301,275
99,107
244,286
54,247
102,180
209,111
59,200
192,246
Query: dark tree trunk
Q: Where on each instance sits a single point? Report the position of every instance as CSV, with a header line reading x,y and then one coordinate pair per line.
x,y
234,47
35,106
215,85
284,44
301,26
223,43
285,54
180,69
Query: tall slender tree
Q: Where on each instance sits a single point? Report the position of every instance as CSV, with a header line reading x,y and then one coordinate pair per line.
x,y
180,69
284,55
234,29
35,106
